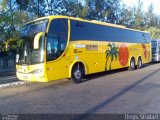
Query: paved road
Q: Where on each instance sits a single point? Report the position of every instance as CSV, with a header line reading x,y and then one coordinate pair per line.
x,y
119,91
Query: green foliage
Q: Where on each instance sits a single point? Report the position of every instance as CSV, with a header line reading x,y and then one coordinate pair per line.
x,y
103,10
138,16
14,13
154,31
1,46
74,9
11,21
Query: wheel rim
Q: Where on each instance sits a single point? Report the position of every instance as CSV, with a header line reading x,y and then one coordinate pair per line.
x,y
77,74
132,64
140,64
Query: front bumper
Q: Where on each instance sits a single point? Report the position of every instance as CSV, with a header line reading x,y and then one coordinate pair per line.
x,y
31,77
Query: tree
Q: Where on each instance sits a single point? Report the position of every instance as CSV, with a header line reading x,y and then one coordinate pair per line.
x,y
10,22
103,10
126,16
55,7
138,16
154,31
22,4
113,11
73,8
150,17
37,8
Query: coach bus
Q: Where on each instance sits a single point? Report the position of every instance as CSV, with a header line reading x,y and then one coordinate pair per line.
x,y
155,50
58,47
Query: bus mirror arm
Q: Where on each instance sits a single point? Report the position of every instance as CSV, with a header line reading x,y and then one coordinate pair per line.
x,y
37,38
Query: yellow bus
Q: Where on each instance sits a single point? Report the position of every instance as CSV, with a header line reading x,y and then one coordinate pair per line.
x,y
58,47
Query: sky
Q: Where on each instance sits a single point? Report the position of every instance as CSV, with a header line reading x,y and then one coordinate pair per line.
x,y
146,3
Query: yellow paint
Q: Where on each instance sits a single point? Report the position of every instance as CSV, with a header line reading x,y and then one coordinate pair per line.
x,y
29,72
93,58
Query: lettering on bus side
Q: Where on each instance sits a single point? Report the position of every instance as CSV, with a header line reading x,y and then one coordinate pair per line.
x,y
91,47
134,49
79,46
77,51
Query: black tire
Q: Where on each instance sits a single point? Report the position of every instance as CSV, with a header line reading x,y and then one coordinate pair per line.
x,y
139,64
77,73
132,64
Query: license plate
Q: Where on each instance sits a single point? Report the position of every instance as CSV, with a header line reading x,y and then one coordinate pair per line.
x,y
25,77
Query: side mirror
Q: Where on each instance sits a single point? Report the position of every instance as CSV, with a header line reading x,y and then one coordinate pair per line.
x,y
37,38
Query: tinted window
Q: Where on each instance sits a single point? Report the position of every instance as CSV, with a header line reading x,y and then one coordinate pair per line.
x,y
57,38
154,47
90,31
34,28
154,44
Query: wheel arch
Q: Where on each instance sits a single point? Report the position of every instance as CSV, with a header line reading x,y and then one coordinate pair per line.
x,y
74,63
139,56
132,57
131,68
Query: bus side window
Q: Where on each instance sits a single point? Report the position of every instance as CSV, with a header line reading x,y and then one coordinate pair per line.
x,y
57,38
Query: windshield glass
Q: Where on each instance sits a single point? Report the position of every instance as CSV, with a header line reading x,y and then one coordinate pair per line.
x,y
33,28
154,50
27,54
154,47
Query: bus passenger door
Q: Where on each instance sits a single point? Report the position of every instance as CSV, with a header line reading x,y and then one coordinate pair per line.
x,y
56,66
57,69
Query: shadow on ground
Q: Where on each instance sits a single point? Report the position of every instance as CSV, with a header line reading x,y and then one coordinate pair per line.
x,y
105,103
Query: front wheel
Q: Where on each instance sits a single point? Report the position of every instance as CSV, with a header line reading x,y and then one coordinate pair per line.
x,y
77,73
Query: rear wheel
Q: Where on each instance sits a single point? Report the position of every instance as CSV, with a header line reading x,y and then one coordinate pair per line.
x,y
77,73
139,64
132,64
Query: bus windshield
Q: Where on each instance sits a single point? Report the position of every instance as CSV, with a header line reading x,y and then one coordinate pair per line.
x,y
154,47
27,54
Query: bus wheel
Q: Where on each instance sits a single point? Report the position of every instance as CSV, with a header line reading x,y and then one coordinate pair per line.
x,y
132,64
139,64
77,73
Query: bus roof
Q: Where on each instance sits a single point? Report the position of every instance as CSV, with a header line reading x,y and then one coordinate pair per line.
x,y
89,21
